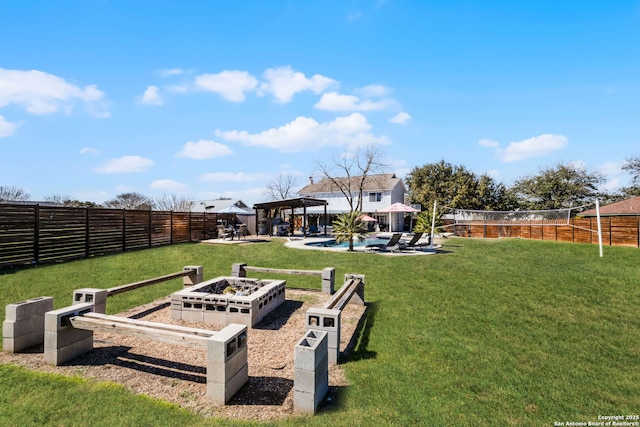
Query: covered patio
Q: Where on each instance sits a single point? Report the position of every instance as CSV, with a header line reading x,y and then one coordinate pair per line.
x,y
292,204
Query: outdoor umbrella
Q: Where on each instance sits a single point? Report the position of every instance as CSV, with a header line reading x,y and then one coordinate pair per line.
x,y
367,218
399,207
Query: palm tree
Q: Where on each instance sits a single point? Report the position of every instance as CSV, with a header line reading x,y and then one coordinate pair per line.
x,y
348,226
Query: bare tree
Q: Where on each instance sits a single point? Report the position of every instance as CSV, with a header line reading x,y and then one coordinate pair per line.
x,y
351,171
172,203
281,187
632,164
13,194
129,201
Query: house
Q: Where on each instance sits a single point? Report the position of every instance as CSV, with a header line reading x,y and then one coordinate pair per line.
x,y
380,191
623,208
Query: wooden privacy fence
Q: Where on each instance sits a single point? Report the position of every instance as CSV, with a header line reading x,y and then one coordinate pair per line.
x,y
616,231
33,234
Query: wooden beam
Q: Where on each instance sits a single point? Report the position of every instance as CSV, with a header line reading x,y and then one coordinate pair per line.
x,y
284,271
171,334
131,286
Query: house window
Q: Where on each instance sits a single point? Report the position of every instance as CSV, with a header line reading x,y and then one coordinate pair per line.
x,y
375,197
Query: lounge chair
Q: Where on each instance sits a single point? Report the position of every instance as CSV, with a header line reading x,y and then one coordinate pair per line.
x,y
414,243
391,246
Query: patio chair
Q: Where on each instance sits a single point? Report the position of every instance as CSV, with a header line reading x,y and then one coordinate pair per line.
x,y
415,243
392,245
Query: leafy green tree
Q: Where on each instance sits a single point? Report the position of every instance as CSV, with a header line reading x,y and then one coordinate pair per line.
x,y
424,221
456,187
349,226
560,186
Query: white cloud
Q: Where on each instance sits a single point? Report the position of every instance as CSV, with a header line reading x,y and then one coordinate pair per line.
x,y
305,133
43,93
125,164
8,128
488,143
373,91
333,101
232,85
151,96
354,16
250,196
610,185
283,83
234,177
176,88
493,173
400,118
169,185
611,168
532,147
171,72
204,149
89,150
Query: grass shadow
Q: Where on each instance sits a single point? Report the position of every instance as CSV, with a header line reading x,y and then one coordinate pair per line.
x,y
357,348
263,391
280,316
150,310
121,356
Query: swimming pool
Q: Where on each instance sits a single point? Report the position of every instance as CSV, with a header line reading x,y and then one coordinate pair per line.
x,y
356,243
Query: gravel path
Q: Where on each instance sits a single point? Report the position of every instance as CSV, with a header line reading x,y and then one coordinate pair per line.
x,y
178,374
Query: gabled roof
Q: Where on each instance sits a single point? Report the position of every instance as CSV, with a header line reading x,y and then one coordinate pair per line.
x,y
626,207
378,182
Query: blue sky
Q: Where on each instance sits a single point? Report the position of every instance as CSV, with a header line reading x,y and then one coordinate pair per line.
x,y
209,99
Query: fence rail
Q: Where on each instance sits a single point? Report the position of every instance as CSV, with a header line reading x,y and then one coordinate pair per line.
x,y
34,234
616,231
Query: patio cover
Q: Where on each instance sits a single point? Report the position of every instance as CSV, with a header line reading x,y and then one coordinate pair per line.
x,y
298,202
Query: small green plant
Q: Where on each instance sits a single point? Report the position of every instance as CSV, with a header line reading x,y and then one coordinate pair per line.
x,y
423,222
349,226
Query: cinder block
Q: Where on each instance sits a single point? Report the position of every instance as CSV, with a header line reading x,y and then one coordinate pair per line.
x,y
311,381
192,315
222,372
195,277
358,295
97,297
54,319
310,350
224,343
22,327
328,280
18,343
221,393
64,337
62,355
35,307
237,270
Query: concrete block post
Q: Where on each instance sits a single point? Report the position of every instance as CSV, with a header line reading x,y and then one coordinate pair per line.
x,y
311,372
24,324
196,276
227,368
327,320
63,342
328,280
237,269
358,295
97,297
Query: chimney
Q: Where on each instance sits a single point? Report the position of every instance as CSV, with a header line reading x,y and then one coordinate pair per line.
x,y
310,180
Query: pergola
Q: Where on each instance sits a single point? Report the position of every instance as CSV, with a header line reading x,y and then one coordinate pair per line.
x,y
296,203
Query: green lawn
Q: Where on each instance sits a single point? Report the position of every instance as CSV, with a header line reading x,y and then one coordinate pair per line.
x,y
502,332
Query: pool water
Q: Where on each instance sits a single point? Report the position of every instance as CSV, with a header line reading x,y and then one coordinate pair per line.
x,y
356,243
